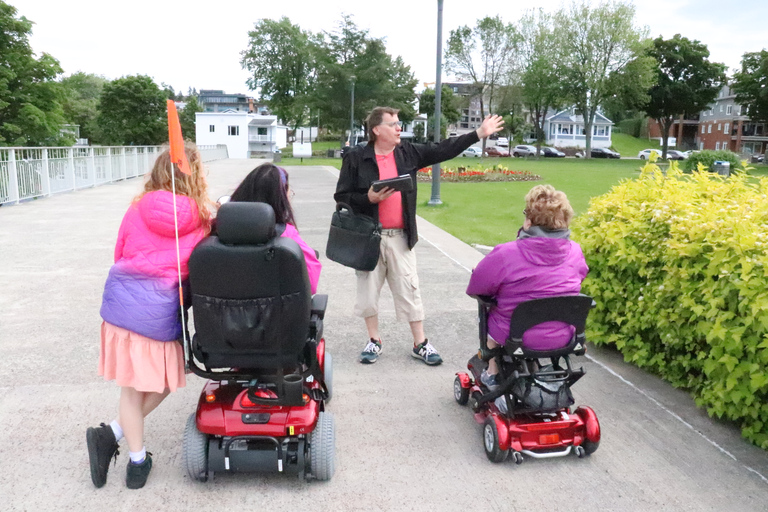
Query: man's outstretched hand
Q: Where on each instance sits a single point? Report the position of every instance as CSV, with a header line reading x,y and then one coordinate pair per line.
x,y
491,125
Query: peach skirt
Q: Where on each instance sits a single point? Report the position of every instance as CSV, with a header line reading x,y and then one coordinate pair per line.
x,y
138,362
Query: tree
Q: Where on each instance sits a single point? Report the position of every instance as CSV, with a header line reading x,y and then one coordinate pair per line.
x,y
601,52
450,105
133,111
686,82
483,56
541,79
349,54
82,93
187,117
281,58
751,84
30,98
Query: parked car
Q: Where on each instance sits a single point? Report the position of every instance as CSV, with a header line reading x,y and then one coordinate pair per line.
x,y
494,151
646,154
551,152
524,150
673,154
604,153
503,142
472,151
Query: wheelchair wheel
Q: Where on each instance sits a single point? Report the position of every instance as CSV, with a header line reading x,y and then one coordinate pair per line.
x,y
322,448
328,375
195,451
460,393
491,441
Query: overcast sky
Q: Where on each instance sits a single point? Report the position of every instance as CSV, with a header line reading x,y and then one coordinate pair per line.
x,y
198,44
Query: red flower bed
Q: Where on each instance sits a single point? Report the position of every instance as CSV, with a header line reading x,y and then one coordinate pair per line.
x,y
469,174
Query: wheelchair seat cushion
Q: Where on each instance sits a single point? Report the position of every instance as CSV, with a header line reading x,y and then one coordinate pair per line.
x,y
242,223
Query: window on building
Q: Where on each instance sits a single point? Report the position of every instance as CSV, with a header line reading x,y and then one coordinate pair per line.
x,y
721,108
709,129
703,128
704,114
727,126
261,130
234,130
211,128
717,145
729,110
719,127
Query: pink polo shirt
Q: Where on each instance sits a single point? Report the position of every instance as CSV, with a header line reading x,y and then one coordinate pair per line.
x,y
390,209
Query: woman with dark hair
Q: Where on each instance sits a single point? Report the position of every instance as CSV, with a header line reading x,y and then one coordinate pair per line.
x,y
268,183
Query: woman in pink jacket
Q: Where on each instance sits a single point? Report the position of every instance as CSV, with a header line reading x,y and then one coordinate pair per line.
x,y
268,183
140,309
543,262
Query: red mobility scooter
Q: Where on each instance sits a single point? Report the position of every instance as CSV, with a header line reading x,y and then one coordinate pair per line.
x,y
259,340
530,412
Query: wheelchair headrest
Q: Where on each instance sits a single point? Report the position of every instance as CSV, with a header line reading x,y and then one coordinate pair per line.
x,y
243,223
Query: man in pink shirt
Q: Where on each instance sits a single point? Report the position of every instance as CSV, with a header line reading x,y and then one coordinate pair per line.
x,y
386,156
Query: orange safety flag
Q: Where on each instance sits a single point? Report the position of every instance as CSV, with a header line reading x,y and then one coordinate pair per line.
x,y
178,156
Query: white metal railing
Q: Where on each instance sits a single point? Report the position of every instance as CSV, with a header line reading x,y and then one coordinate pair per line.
x,y
27,173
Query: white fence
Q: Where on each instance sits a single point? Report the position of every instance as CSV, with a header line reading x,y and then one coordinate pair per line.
x,y
27,173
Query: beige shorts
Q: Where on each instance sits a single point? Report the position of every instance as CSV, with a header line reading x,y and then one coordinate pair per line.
x,y
397,266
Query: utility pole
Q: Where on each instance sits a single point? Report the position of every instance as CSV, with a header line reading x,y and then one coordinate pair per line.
x,y
435,199
352,111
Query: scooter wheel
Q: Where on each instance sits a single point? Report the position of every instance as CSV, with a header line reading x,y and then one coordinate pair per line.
x,y
518,457
491,441
460,393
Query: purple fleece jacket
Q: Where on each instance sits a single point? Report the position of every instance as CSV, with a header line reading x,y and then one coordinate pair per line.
x,y
527,269
142,290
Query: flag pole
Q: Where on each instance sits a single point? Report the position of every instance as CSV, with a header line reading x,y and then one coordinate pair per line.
x,y
178,267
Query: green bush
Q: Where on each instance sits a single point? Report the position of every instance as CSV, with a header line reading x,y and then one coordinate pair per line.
x,y
708,157
631,126
679,270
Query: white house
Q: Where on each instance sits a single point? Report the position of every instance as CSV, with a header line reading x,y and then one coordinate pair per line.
x,y
566,129
245,135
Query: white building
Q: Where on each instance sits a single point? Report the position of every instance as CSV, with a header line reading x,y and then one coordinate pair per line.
x,y
245,135
566,129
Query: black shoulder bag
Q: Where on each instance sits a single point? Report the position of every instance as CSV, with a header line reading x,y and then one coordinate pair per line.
x,y
354,239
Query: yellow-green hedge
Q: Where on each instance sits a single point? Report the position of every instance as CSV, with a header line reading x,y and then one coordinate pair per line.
x,y
679,270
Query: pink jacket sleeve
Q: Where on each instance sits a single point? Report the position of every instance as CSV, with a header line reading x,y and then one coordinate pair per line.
x,y
121,234
313,264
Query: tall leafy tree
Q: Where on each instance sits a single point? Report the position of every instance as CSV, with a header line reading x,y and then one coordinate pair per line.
x,y
686,81
82,93
602,53
751,84
132,112
482,55
349,55
187,117
281,58
542,81
30,99
450,107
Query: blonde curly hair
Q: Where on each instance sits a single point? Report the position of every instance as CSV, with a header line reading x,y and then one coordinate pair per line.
x,y
548,208
194,185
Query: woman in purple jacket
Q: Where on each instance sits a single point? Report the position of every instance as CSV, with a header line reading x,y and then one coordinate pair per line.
x,y
140,309
543,262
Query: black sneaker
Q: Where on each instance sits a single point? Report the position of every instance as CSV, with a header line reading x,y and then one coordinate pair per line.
x,y
371,352
136,474
102,446
427,353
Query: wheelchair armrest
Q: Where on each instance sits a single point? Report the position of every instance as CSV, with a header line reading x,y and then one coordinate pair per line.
x,y
319,303
488,301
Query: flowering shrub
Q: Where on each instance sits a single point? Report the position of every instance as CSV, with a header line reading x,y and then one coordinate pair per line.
x,y
462,174
679,270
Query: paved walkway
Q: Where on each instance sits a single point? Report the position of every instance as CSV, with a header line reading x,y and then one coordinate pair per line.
x,y
402,441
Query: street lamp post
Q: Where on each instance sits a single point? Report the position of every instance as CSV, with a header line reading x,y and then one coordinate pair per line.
x,y
352,111
435,199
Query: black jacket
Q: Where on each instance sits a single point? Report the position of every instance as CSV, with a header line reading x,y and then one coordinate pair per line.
x,y
359,169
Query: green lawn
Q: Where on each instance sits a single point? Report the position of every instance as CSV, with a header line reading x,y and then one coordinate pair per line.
x,y
627,145
491,213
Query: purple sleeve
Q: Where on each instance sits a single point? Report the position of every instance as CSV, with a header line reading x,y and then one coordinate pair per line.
x,y
313,264
485,277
